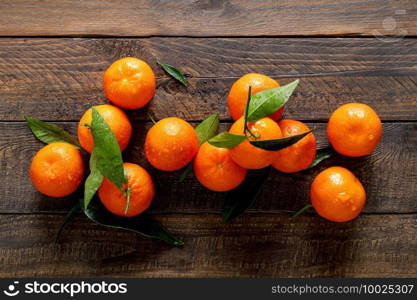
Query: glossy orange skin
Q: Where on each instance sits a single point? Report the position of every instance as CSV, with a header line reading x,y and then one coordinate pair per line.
x,y
57,169
337,195
129,83
299,156
114,117
248,156
354,129
215,169
141,195
171,144
238,95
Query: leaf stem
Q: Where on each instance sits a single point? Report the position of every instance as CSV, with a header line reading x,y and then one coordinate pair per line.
x,y
128,191
299,212
246,127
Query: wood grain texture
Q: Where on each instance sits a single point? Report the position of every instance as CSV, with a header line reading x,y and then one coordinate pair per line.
x,y
207,18
64,76
253,246
389,175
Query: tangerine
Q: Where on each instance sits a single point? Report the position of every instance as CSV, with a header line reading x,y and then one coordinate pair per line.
x,y
171,144
298,156
114,117
215,169
337,195
142,191
238,95
245,154
57,169
129,83
354,129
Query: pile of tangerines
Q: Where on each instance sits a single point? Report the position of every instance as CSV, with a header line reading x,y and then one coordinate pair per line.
x,y
171,144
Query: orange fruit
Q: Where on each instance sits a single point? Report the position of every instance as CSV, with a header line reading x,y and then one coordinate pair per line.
x,y
114,117
171,144
238,95
57,169
298,156
248,156
215,169
354,129
141,195
337,195
129,83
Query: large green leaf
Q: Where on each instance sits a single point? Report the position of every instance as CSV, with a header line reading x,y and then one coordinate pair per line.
x,y
93,180
50,133
208,128
279,144
108,158
174,72
242,197
227,140
142,224
267,102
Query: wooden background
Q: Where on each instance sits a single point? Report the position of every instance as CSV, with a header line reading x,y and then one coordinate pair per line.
x,y
52,58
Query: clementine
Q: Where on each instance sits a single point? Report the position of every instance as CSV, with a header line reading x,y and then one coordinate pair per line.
x,y
171,144
129,83
57,169
114,117
337,195
238,95
215,169
298,156
141,188
354,129
248,156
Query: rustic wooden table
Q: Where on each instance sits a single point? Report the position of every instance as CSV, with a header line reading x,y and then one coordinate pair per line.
x,y
52,58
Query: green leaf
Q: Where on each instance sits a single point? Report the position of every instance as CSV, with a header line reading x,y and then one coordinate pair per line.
x,y
208,128
267,102
279,144
108,158
142,224
242,197
76,208
246,128
93,180
187,171
227,140
50,133
302,210
174,72
321,155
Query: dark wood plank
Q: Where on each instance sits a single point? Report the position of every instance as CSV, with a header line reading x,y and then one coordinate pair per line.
x,y
208,18
388,175
253,246
64,76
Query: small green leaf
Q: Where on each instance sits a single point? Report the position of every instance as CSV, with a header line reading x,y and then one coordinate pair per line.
x,y
76,208
267,102
142,224
107,152
302,210
174,72
208,128
187,171
242,197
93,180
227,140
278,144
321,155
50,133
